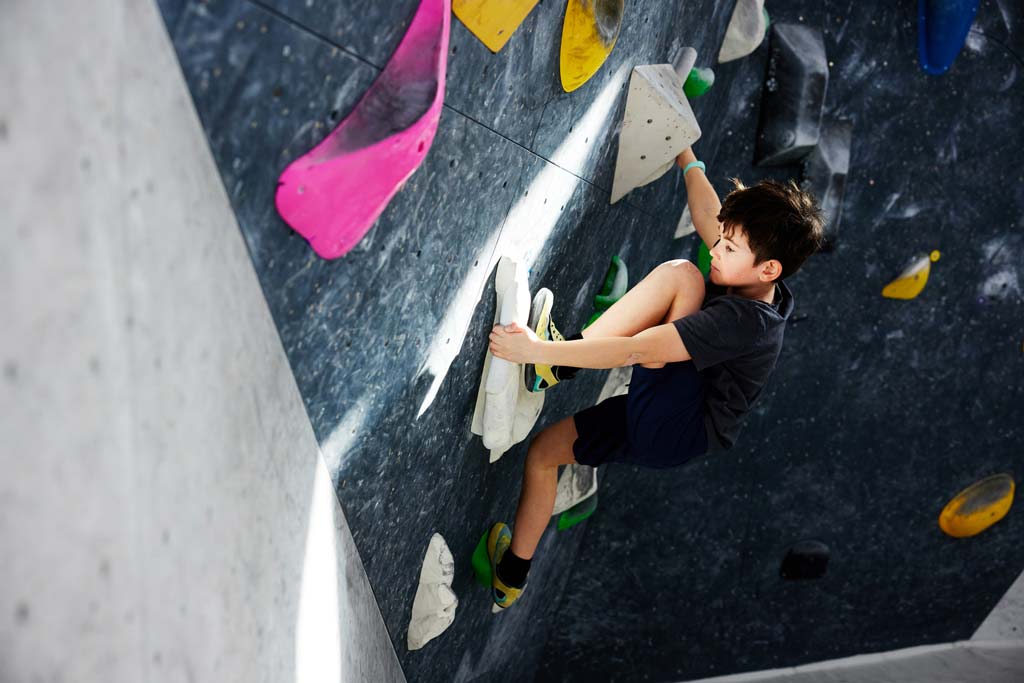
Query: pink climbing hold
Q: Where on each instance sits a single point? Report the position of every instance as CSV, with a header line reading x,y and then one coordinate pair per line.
x,y
333,194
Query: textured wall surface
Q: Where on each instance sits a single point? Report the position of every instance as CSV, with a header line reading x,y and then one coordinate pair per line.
x,y
878,412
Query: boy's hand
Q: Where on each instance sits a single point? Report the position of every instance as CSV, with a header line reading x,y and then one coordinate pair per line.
x,y
513,343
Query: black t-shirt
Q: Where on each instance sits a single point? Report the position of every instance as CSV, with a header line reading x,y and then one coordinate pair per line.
x,y
734,342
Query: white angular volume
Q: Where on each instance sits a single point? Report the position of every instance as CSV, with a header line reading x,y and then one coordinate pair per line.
x,y
746,30
433,608
657,126
505,410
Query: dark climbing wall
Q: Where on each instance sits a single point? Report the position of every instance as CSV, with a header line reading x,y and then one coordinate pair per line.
x,y
878,412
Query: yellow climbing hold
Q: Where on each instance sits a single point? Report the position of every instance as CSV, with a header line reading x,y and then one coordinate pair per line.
x,y
493,21
913,278
978,507
588,35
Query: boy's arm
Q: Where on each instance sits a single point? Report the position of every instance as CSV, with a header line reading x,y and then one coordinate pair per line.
x,y
702,199
661,344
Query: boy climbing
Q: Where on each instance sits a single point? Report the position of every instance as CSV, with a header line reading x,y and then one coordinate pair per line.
x,y
701,353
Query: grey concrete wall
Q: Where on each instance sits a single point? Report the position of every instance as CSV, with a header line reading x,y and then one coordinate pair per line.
x,y
164,510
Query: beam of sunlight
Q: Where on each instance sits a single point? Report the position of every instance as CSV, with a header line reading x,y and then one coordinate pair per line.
x,y
318,624
344,434
523,233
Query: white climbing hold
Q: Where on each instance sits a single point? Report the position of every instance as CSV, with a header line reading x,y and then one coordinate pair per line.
x,y
745,32
685,226
505,410
657,126
617,383
575,484
433,608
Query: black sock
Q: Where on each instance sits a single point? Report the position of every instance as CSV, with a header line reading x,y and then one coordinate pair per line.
x,y
563,372
512,569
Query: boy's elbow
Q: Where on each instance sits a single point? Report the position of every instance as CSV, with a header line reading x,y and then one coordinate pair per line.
x,y
659,345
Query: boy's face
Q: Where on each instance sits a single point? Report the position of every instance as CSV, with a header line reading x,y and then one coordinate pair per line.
x,y
732,261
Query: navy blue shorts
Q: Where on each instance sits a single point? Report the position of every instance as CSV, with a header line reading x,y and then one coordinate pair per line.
x,y
659,423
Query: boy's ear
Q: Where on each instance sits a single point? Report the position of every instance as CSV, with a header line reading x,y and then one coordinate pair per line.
x,y
771,270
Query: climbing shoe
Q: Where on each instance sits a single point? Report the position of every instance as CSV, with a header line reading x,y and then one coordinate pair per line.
x,y
498,541
539,377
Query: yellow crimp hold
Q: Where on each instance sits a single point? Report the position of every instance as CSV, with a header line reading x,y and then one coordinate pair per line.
x,y
978,507
588,35
912,280
493,21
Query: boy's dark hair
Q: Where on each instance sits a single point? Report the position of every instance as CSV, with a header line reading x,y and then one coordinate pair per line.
x,y
780,220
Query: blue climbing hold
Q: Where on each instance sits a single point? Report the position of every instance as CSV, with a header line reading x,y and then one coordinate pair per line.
x,y
942,27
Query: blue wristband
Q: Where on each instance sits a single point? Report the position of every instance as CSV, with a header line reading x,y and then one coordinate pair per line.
x,y
695,164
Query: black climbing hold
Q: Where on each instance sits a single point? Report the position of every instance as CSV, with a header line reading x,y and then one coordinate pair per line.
x,y
825,172
793,95
805,560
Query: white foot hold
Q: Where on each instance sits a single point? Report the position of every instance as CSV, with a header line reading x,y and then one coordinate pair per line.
x,y
576,483
433,608
657,126
505,410
746,30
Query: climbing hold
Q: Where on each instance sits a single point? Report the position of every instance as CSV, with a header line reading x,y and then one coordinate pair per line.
x,y
333,194
575,484
658,124
824,175
942,27
913,278
588,35
433,608
978,507
505,410
746,30
482,563
793,95
805,560
703,258
577,513
698,82
685,226
492,21
616,282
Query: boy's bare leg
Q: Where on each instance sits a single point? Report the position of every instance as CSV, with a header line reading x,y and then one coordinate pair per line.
x,y
671,291
551,448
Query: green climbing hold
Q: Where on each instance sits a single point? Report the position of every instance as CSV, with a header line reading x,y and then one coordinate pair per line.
x,y
577,513
698,82
482,563
703,258
616,282
767,20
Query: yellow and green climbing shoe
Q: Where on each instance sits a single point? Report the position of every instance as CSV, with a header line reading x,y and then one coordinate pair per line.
x,y
538,376
498,542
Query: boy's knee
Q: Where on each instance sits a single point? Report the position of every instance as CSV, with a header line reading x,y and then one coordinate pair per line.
x,y
548,448
686,274
682,268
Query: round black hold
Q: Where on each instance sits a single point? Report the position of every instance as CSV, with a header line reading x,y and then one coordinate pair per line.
x,y
805,560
